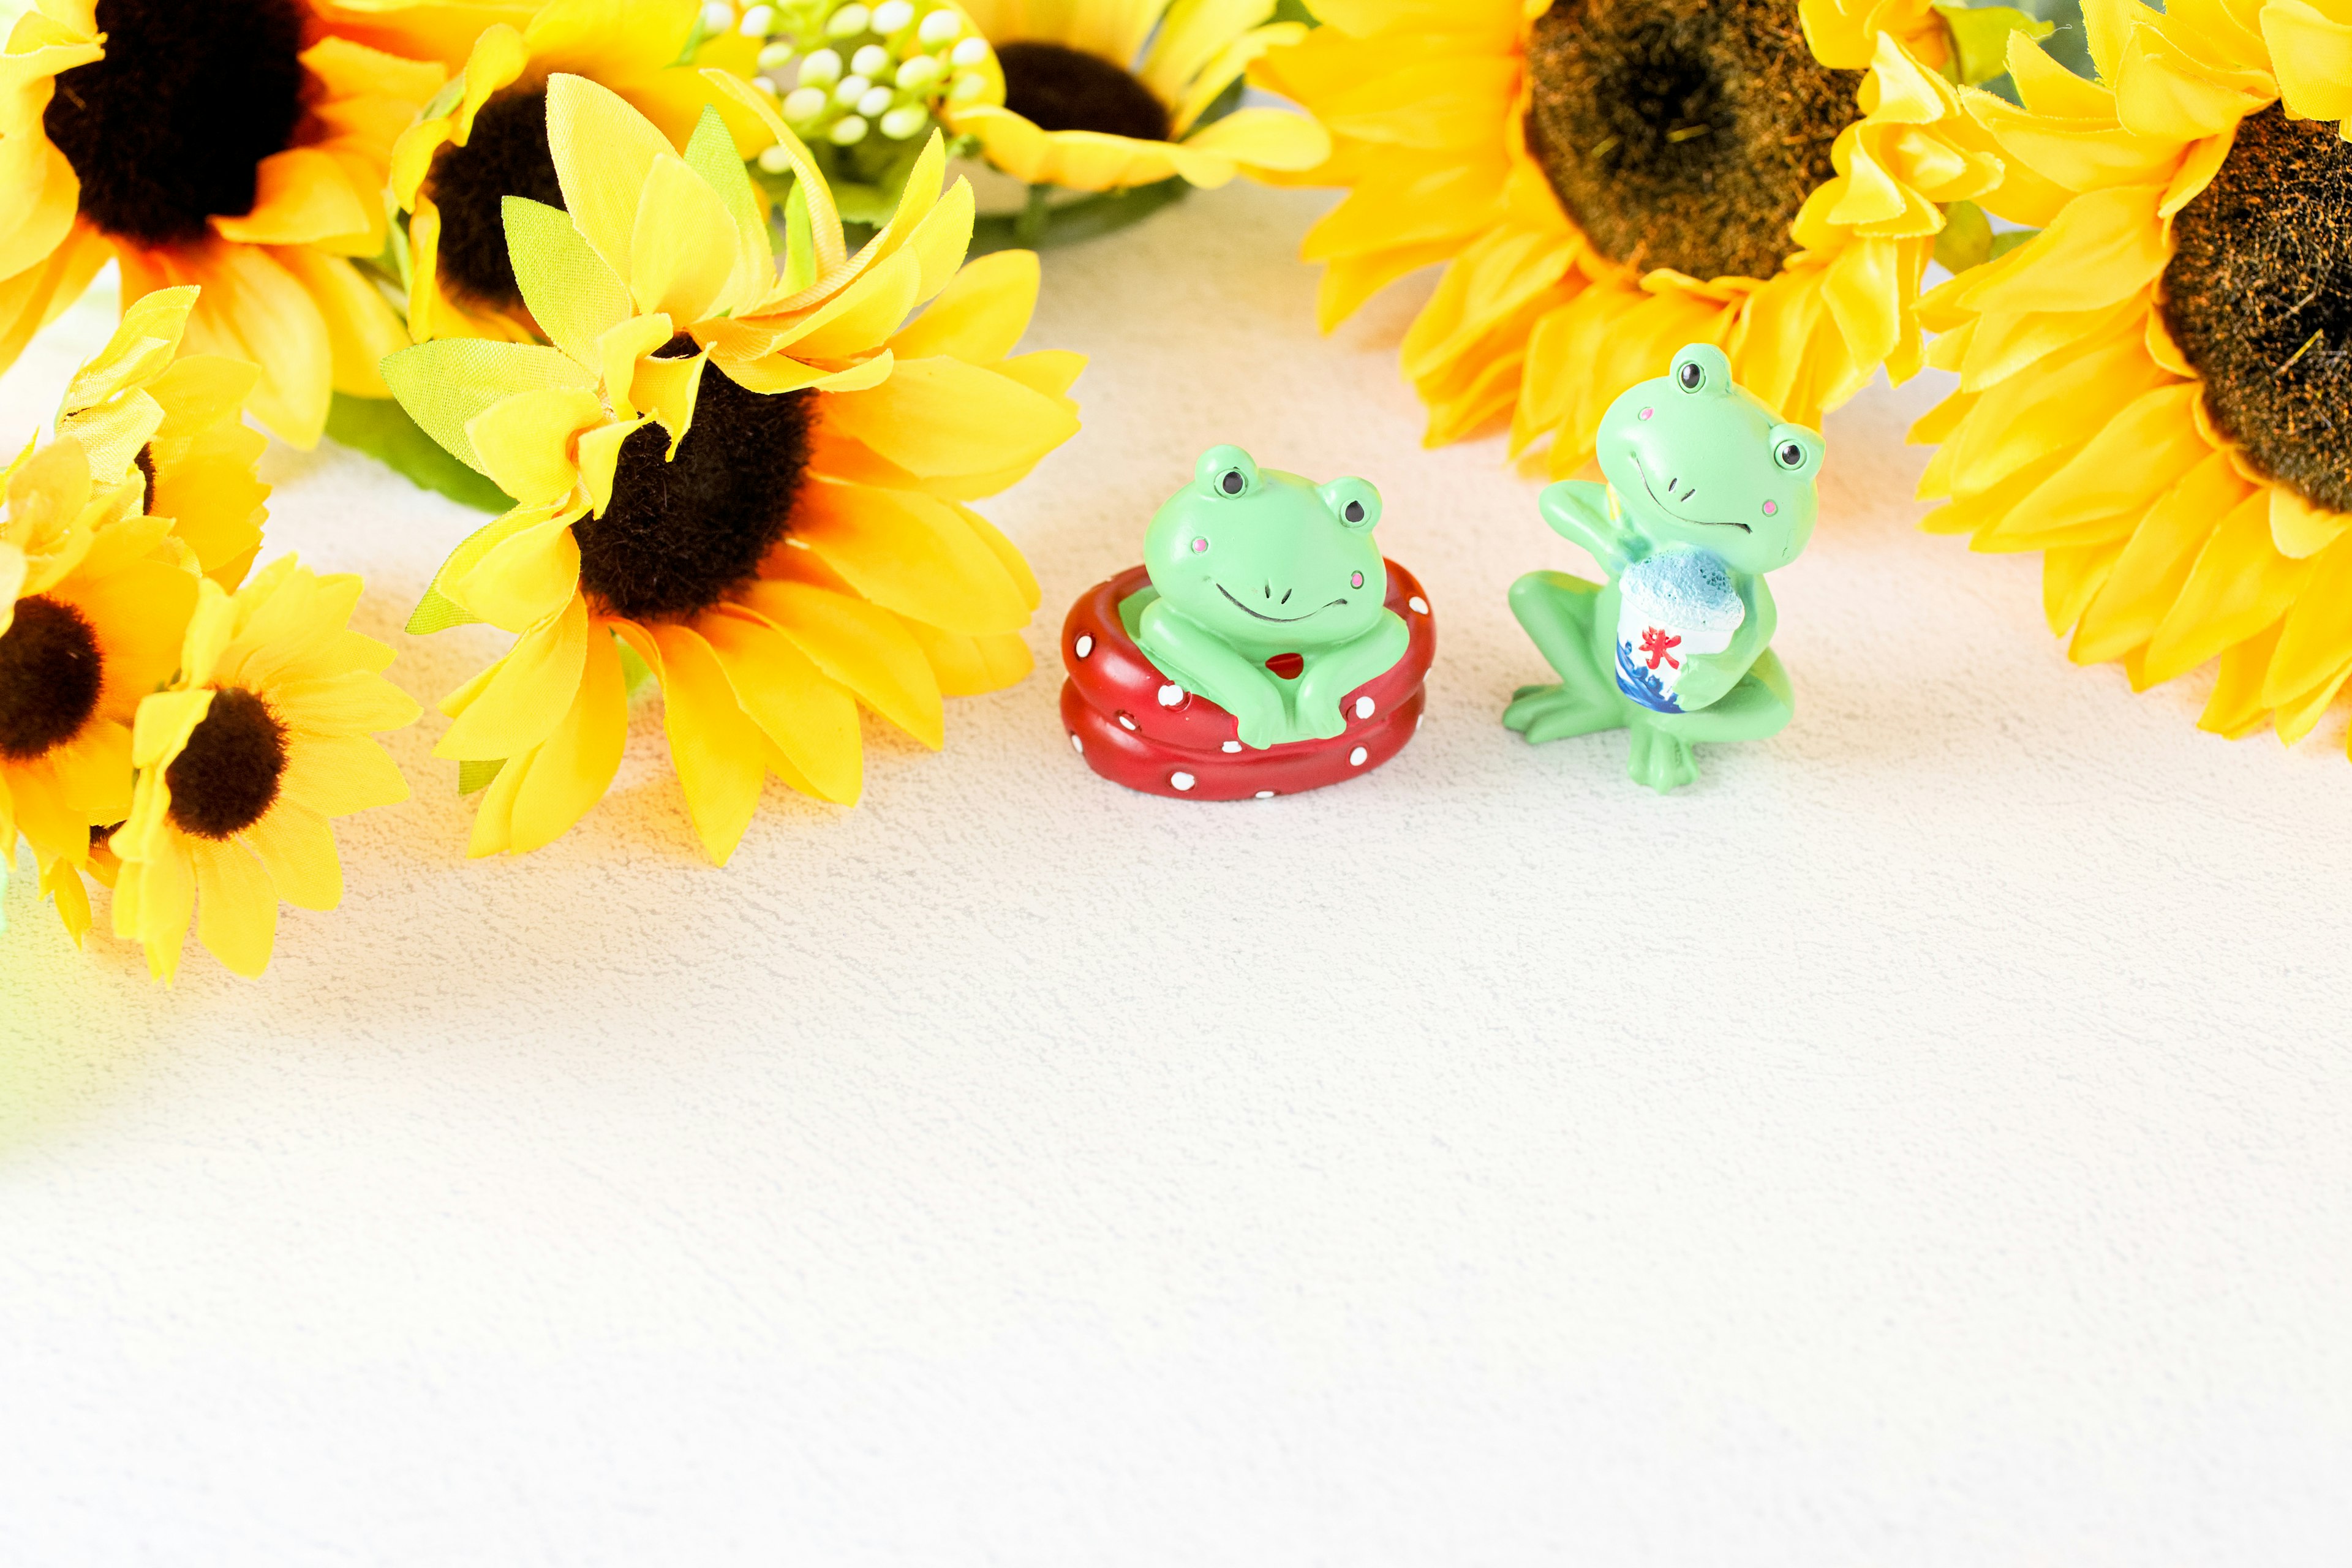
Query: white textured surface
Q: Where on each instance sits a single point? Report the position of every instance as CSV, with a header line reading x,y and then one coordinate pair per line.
x,y
1923,1143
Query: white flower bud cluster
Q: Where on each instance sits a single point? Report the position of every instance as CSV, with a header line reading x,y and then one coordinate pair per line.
x,y
857,70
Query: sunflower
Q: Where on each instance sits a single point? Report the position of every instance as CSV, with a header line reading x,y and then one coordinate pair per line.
x,y
179,422
2153,389
92,601
242,760
1083,111
484,139
1608,180
238,144
752,483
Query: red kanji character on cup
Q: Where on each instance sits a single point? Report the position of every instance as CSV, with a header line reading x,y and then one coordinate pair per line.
x,y
1655,642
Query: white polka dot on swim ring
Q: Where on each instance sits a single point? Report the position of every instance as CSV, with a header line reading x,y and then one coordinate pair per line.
x,y
1363,707
1085,644
1077,745
1417,605
1171,695
1126,720
1181,781
1233,745
1266,794
1356,758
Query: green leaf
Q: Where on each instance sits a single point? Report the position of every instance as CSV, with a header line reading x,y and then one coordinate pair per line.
x,y
1294,11
443,383
634,671
474,777
1045,224
1967,237
383,429
1980,36
2002,244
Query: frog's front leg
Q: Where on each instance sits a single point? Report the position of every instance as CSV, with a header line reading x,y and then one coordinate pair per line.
x,y
1199,660
1330,675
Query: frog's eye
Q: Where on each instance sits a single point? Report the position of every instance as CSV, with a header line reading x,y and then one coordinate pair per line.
x,y
1789,454
1690,376
1225,473
1795,448
1233,481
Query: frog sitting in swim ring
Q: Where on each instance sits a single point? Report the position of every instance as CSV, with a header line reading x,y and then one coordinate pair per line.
x,y
1708,490
1247,565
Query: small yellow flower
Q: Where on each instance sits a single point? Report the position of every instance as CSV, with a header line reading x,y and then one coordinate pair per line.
x,y
2152,389
484,139
754,482
92,601
178,420
237,145
1083,111
261,738
1608,180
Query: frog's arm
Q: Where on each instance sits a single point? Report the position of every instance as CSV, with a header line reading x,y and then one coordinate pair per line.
x,y
1579,511
1200,661
1333,673
1707,677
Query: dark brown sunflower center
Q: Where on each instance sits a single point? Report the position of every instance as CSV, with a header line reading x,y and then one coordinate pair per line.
x,y
2259,297
50,673
168,129
227,774
1060,88
1683,134
680,532
506,155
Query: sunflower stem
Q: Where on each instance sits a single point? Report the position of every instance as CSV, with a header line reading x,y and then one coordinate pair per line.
x,y
1029,228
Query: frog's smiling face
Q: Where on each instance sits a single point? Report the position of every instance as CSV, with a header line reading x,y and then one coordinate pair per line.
x,y
1269,560
1699,461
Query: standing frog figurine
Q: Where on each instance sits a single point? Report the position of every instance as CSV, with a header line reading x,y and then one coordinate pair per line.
x,y
1708,490
1247,565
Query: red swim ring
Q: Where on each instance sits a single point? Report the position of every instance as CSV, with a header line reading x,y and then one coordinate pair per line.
x,y
1136,727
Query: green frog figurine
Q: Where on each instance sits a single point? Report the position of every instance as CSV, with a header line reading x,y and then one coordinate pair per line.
x,y
1708,490
1247,565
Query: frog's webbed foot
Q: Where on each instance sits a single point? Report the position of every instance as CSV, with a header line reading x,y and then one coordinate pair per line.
x,y
1661,760
1555,712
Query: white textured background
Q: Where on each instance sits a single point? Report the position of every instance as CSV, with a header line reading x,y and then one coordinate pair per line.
x,y
1928,1141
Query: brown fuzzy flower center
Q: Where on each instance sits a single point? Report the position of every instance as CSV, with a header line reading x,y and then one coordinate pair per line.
x,y
1683,134
506,154
2258,296
50,676
168,129
1059,89
227,777
682,531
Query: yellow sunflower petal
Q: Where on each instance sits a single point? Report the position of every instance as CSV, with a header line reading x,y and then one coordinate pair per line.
x,y
335,775
862,647
525,441
573,767
604,153
982,312
2312,52
236,907
2316,639
2238,586
713,743
944,415
348,702
296,847
533,688
811,720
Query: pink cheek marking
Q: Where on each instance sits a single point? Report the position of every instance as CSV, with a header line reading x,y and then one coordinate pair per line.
x,y
1200,545
1771,508
1355,579
1647,412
